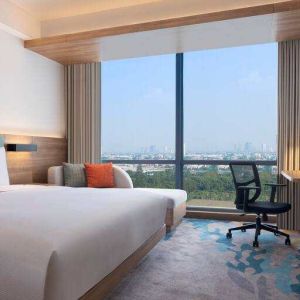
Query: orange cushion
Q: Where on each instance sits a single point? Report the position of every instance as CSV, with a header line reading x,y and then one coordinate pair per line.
x,y
100,175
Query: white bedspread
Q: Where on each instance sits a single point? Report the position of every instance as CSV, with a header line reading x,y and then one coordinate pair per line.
x,y
58,242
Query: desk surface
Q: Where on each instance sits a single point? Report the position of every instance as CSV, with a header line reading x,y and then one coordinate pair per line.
x,y
293,176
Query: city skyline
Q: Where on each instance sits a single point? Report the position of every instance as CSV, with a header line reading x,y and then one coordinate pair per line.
x,y
248,147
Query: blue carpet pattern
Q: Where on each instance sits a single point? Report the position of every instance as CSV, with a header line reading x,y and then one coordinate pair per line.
x,y
197,261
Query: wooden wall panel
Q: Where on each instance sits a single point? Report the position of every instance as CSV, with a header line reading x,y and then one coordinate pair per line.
x,y
51,152
289,129
24,168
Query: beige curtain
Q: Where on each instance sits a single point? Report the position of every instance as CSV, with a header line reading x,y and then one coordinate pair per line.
x,y
83,112
289,128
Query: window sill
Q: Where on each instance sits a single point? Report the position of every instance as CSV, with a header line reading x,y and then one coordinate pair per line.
x,y
226,214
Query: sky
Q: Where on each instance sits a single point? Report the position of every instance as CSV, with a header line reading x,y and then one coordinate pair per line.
x,y
230,99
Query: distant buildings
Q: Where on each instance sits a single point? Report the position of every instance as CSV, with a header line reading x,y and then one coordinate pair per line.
x,y
248,148
240,152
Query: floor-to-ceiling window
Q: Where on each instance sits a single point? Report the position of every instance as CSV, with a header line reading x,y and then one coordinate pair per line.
x,y
138,118
229,113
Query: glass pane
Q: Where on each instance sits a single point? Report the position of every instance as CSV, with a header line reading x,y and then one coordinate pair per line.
x,y
209,185
267,174
231,103
151,176
138,108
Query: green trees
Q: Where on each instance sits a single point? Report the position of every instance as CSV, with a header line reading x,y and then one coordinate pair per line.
x,y
208,184
156,179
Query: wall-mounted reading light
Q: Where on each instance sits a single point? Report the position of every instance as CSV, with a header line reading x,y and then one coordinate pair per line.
x,y
21,147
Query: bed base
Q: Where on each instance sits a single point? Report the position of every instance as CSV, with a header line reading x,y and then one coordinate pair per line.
x,y
105,286
174,216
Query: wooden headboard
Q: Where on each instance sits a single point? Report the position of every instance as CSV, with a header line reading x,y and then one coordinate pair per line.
x,y
32,167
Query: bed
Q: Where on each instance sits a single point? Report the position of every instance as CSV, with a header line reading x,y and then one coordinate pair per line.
x,y
61,243
176,198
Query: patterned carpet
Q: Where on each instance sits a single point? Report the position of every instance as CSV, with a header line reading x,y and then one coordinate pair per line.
x,y
197,262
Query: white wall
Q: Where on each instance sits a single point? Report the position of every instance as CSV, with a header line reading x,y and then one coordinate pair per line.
x,y
31,91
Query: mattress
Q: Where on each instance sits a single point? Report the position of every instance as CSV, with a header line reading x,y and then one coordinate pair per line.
x,y
58,242
175,197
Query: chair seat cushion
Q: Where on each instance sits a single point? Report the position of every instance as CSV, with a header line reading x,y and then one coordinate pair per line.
x,y
174,196
268,207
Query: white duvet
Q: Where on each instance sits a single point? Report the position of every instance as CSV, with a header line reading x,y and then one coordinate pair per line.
x,y
58,242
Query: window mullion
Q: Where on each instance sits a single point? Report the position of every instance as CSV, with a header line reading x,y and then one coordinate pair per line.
x,y
179,121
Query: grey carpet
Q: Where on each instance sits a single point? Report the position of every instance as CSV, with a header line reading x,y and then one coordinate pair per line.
x,y
198,262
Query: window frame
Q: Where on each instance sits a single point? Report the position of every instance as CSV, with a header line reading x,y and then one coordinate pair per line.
x,y
179,160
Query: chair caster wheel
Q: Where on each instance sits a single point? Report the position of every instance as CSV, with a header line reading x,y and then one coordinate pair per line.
x,y
229,235
255,244
288,241
243,230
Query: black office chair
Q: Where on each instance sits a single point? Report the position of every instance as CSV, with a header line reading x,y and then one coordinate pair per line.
x,y
246,179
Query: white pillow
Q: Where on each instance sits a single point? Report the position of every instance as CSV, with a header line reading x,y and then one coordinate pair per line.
x,y
4,179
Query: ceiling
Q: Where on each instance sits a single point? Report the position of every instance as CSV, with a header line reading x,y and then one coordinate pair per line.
x,y
52,9
175,36
221,24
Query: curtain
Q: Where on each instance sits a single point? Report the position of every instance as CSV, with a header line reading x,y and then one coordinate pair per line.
x,y
289,128
82,92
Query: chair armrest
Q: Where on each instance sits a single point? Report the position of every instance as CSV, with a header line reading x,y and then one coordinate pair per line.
x,y
274,187
275,184
245,190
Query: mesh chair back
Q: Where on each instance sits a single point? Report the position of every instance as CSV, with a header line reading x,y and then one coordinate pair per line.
x,y
245,174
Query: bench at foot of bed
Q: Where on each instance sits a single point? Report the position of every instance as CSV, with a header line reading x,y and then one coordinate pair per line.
x,y
176,205
174,216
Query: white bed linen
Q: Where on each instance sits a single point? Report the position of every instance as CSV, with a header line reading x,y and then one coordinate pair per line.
x,y
4,179
58,242
174,196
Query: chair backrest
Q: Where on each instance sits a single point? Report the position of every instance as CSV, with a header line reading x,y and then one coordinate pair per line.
x,y
245,173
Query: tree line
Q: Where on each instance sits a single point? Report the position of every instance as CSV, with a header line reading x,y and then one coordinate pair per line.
x,y
207,184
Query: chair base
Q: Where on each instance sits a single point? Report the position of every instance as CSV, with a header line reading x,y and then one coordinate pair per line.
x,y
258,226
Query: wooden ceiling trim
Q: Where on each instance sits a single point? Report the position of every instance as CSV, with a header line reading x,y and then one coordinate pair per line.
x,y
286,6
287,26
168,23
85,46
